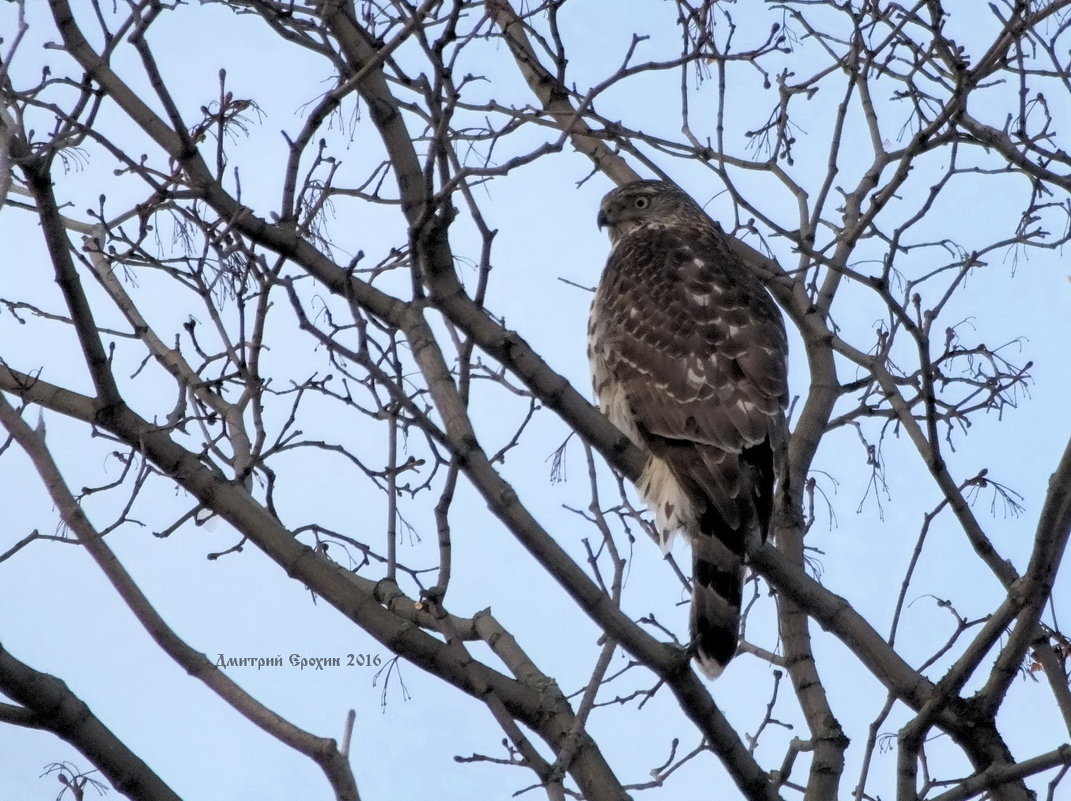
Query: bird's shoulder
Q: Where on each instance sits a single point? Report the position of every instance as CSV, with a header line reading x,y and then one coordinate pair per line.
x,y
682,269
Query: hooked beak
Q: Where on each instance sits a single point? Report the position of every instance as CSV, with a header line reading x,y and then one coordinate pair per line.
x,y
602,220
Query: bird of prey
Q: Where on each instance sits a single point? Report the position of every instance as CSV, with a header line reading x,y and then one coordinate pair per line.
x,y
689,358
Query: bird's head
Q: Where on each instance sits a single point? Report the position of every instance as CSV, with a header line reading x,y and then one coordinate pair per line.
x,y
642,203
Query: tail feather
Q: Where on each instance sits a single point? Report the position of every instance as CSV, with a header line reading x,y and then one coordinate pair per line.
x,y
722,501
715,617
717,589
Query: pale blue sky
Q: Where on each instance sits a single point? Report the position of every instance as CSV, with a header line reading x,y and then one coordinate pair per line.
x,y
58,614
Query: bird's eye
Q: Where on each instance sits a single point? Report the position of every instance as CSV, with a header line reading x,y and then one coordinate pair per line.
x,y
642,202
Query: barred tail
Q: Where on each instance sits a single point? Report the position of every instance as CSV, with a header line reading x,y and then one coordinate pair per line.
x,y
717,587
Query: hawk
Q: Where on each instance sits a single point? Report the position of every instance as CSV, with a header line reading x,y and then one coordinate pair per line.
x,y
688,357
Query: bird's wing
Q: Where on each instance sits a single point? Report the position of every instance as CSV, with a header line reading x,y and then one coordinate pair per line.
x,y
697,347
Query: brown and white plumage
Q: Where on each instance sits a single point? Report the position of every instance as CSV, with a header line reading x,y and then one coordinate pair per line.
x,y
689,358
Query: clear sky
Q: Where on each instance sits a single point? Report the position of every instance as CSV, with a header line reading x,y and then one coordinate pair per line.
x,y
58,614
